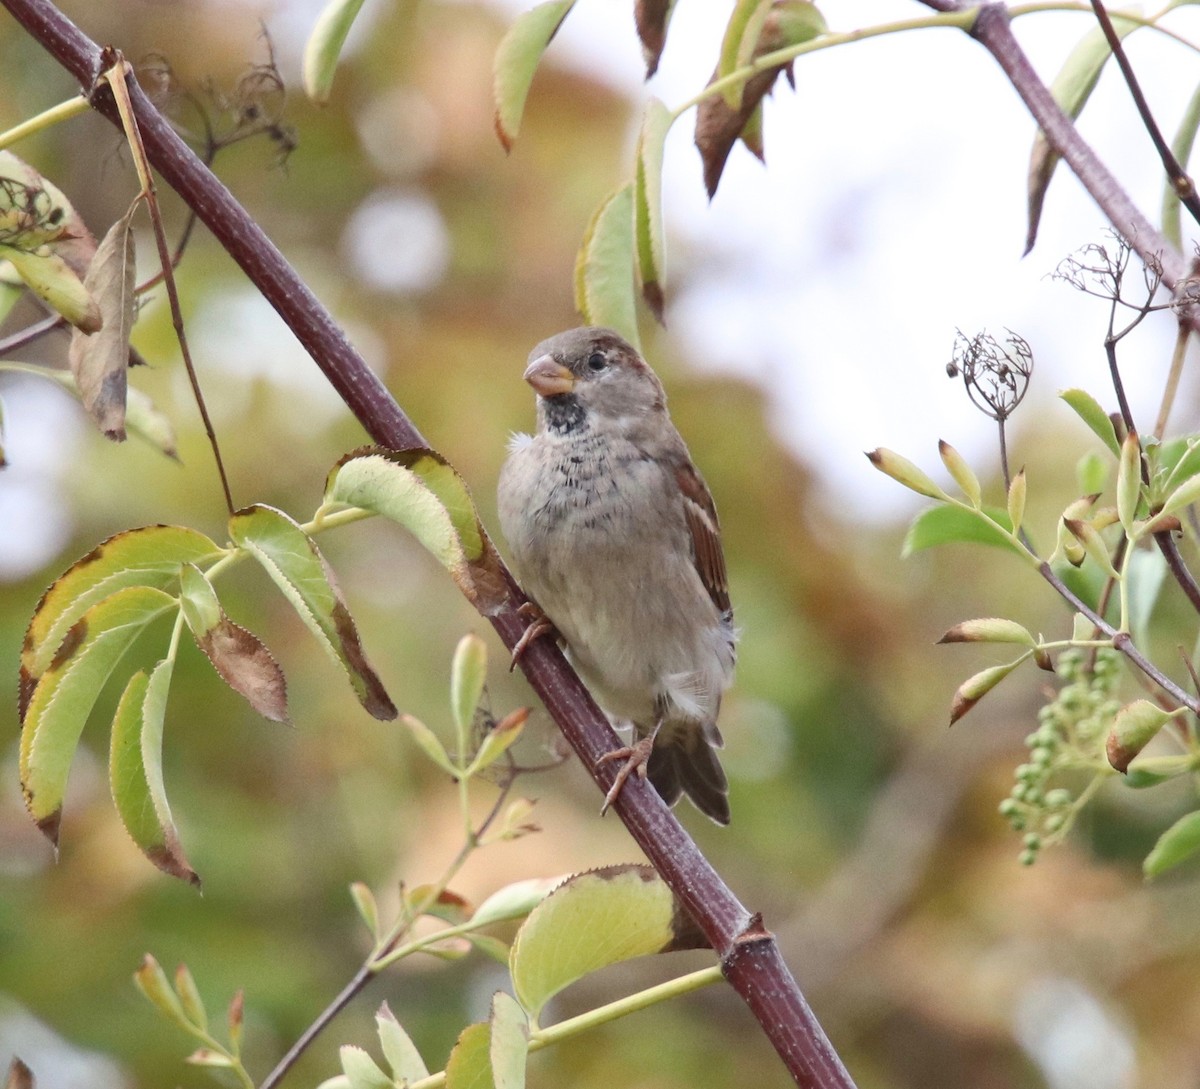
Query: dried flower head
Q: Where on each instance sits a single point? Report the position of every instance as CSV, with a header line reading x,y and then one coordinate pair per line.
x,y
996,374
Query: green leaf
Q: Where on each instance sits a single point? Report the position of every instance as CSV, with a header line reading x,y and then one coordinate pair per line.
x,y
12,287
152,981
297,567
737,47
399,1051
469,1066
648,211
604,266
954,525
905,472
468,673
189,998
150,556
420,490
1152,770
239,657
365,905
498,740
1135,726
962,473
362,1070
1092,473
1016,501
136,775
1187,493
429,743
1129,481
324,47
1145,571
1090,412
1180,841
143,420
53,281
592,920
992,629
974,688
65,694
1181,146
1175,461
1072,88
508,1048
517,59
515,901
99,360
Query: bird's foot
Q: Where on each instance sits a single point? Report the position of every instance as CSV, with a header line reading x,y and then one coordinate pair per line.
x,y
539,625
636,757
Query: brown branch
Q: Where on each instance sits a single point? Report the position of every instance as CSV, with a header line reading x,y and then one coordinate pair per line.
x,y
749,955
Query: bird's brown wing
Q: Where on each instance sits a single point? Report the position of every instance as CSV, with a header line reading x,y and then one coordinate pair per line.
x,y
701,515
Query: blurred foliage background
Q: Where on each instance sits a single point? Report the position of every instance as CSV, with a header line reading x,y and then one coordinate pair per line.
x,y
865,832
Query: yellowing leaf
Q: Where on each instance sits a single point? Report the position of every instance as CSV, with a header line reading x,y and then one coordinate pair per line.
x,y
100,360
508,1047
297,567
517,58
65,693
54,282
469,1065
648,213
421,491
592,920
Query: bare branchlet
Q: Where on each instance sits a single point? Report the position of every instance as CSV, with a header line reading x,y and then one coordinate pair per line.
x,y
1100,269
996,375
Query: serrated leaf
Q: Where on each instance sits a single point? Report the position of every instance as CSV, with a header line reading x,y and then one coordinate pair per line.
x,y
152,981
298,568
420,490
1072,87
469,1065
324,47
953,525
652,17
1181,147
399,1051
240,658
508,1048
1177,843
517,58
189,998
468,673
99,360
53,281
143,419
150,556
604,266
64,695
1089,411
738,44
362,1070
647,205
592,920
136,775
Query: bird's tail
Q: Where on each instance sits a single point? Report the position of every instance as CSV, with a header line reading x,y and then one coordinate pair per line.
x,y
686,763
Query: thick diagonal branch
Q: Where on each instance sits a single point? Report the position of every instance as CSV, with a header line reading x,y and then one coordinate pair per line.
x,y
749,954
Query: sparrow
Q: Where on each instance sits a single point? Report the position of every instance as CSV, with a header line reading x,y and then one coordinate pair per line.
x,y
614,535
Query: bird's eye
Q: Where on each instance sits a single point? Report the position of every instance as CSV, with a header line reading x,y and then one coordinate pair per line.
x,y
597,362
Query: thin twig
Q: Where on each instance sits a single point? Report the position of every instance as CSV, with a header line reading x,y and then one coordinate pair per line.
x,y
1182,183
1172,387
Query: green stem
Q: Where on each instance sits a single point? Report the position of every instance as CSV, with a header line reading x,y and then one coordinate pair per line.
x,y
540,1038
333,516
64,111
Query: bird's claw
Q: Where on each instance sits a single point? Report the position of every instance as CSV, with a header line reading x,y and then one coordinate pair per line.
x,y
539,625
636,757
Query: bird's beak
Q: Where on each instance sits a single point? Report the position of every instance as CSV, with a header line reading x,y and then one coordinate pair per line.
x,y
549,377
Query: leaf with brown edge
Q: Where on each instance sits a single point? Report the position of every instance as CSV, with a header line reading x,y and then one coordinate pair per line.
x,y
421,491
135,771
100,360
517,59
649,235
64,695
238,656
604,266
722,119
652,18
592,920
295,564
149,556
974,688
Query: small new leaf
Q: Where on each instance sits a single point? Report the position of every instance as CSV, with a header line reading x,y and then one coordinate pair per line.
x,y
1093,544
399,1051
1089,411
365,905
429,744
468,673
1016,501
904,472
974,688
152,981
989,630
189,998
498,740
1129,480
1133,729
963,476
1177,843
362,1070
325,47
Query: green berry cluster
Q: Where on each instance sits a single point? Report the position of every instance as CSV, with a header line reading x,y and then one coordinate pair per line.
x,y
1070,738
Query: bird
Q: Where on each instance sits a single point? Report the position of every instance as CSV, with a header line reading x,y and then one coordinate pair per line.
x,y
615,538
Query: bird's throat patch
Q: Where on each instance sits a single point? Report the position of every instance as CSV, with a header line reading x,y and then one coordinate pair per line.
x,y
564,414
